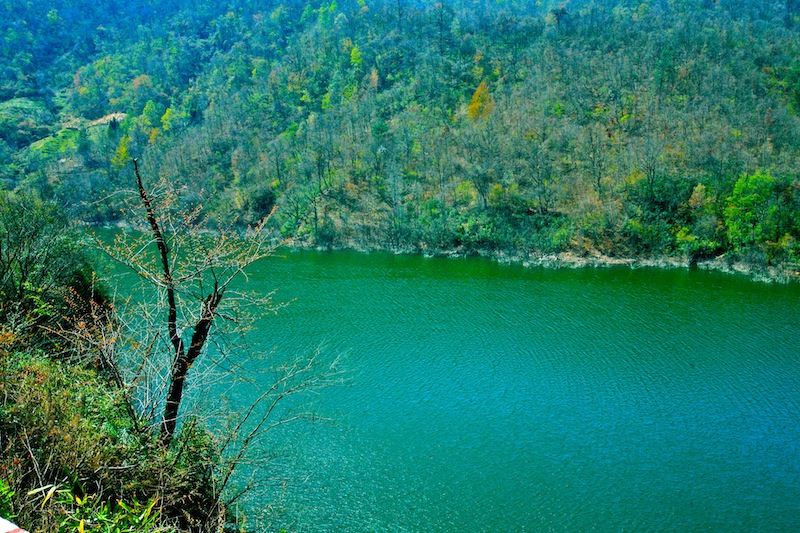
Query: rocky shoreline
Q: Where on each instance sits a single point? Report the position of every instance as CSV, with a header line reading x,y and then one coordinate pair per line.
x,y
784,273
780,274
767,274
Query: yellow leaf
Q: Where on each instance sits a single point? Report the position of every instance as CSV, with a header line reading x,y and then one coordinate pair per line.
x,y
481,104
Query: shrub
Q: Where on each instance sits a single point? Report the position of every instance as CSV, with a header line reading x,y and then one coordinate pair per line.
x,y
66,429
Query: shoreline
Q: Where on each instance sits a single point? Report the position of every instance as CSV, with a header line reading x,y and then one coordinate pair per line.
x,y
765,274
784,273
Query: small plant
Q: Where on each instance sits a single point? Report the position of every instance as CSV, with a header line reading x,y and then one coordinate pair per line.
x,y
6,501
89,513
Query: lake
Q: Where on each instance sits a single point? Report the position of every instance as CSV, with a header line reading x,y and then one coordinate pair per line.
x,y
490,397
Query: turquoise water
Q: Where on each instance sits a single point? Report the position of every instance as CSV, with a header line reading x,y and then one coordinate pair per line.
x,y
487,397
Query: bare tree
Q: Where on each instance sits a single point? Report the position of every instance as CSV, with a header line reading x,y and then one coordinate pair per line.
x,y
175,337
177,334
193,270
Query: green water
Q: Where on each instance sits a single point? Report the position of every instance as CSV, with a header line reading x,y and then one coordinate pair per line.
x,y
485,397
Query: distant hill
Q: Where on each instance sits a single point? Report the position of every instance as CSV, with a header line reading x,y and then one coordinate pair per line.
x,y
667,127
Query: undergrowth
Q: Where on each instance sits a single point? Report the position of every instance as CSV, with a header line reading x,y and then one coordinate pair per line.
x,y
72,458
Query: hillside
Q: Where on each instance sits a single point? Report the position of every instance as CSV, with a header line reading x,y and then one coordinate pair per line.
x,y
632,129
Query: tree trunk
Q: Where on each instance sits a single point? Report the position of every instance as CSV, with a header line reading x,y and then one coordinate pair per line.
x,y
182,360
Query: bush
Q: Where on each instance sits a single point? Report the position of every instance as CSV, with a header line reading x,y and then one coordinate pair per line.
x,y
72,451
44,276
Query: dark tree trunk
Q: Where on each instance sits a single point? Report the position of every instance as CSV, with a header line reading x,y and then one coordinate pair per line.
x,y
182,360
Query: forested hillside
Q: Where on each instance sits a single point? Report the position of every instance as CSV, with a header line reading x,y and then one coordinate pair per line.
x,y
630,128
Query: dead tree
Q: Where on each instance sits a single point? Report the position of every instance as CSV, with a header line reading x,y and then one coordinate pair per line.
x,y
193,269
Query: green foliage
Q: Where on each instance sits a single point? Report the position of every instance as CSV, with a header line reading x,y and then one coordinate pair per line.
x,y
64,428
509,202
61,419
751,214
6,501
355,57
23,121
477,232
545,110
42,271
692,246
88,513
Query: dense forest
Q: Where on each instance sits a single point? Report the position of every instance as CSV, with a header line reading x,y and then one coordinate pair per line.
x,y
630,128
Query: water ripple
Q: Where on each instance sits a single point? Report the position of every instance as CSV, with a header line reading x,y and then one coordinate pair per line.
x,y
490,398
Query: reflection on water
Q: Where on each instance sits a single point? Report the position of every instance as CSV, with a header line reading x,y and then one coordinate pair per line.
x,y
485,397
